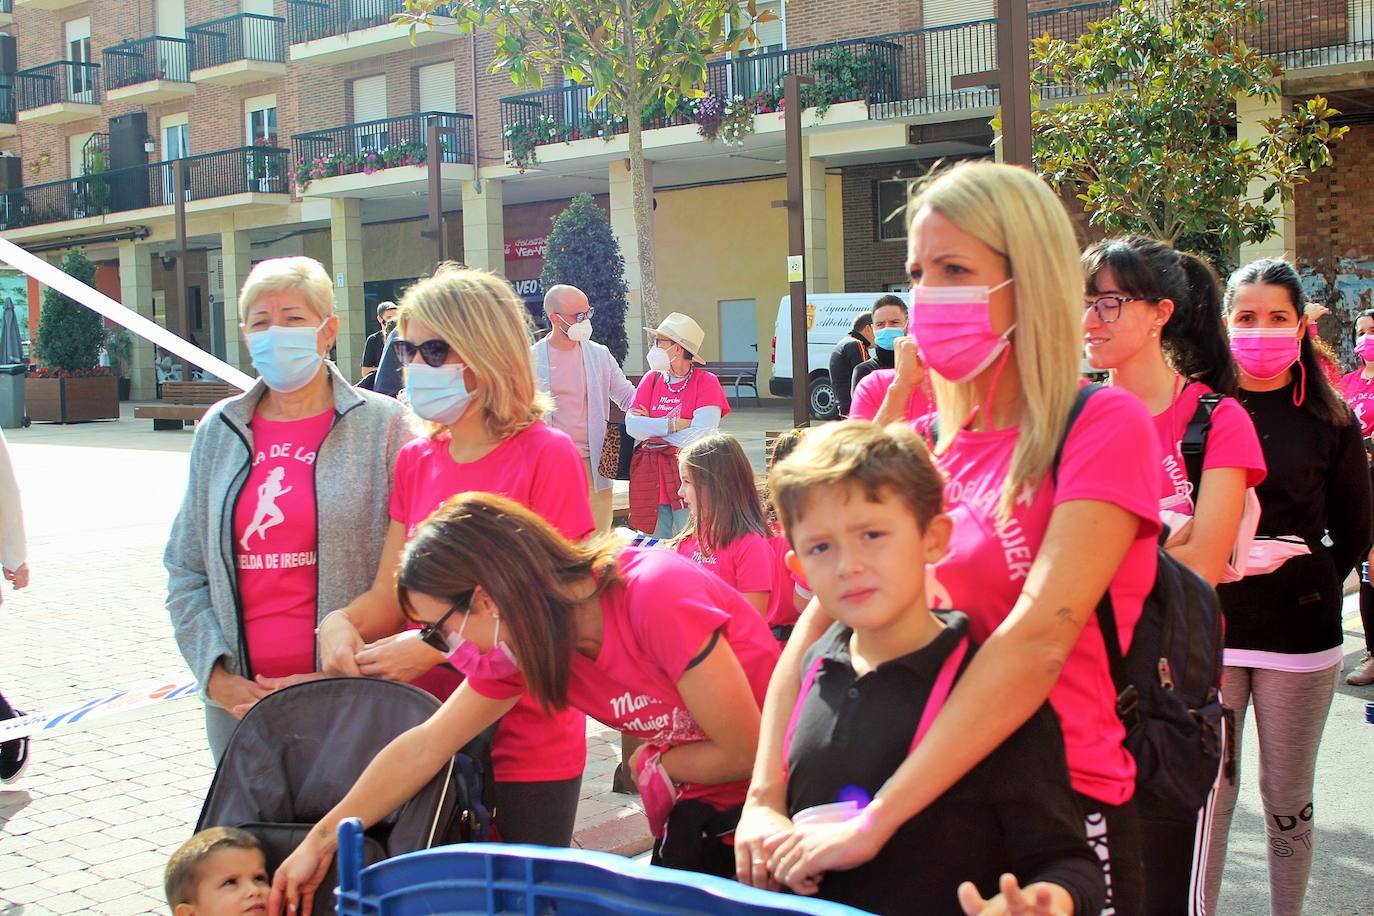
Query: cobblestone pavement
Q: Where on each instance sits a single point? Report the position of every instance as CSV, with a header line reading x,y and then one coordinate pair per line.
x,y
90,825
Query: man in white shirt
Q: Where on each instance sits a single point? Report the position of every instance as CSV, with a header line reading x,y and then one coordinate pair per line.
x,y
583,378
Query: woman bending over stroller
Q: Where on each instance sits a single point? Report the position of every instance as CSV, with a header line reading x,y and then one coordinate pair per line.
x,y
640,639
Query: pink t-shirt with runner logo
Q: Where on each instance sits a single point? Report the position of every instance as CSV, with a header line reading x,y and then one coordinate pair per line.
x,y
1231,443
869,394
654,623
681,399
275,540
749,564
1359,394
1112,456
541,469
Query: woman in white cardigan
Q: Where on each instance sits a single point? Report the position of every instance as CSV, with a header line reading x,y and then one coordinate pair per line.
x,y
14,755
584,379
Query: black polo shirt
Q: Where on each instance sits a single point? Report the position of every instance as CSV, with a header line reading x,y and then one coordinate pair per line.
x,y
1013,812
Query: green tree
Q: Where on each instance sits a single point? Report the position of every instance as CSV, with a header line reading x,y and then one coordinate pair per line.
x,y
69,334
1151,145
582,252
634,53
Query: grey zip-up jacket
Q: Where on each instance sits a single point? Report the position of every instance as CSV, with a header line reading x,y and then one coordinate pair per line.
x,y
353,475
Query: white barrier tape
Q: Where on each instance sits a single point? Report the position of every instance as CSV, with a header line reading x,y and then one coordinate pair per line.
x,y
97,301
44,723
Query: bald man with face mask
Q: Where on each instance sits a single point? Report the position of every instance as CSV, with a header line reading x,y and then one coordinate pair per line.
x,y
583,378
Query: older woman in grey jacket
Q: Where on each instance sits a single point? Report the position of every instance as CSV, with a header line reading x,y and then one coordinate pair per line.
x,y
286,505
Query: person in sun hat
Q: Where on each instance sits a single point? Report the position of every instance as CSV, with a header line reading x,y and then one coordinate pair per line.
x,y
676,403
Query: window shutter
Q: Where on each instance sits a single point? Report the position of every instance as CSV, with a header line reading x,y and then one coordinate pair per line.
x,y
369,99
437,89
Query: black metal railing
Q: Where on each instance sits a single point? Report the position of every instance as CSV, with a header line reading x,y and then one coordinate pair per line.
x,y
1315,33
255,169
864,69
60,81
308,20
7,107
142,60
370,146
243,36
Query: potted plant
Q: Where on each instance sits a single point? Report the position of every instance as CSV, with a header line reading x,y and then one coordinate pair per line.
x,y
70,387
119,346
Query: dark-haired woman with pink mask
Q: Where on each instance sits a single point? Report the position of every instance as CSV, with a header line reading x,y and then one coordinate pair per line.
x,y
1283,620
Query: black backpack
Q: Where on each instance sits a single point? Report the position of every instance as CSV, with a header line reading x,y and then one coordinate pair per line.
x,y
1169,684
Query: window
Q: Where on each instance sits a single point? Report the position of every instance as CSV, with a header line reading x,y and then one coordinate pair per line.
x,y
78,33
369,104
260,120
760,65
436,88
889,207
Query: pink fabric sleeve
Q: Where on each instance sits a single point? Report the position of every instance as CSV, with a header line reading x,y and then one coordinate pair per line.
x,y
754,559
672,612
558,488
1113,456
1233,443
502,689
867,398
710,393
644,392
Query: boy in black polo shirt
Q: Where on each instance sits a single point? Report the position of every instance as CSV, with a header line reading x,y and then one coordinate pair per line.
x,y
862,508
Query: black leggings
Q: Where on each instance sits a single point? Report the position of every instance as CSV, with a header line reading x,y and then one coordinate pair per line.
x,y
1114,835
542,813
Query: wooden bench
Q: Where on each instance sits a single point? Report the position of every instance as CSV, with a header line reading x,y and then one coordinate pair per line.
x,y
184,402
738,374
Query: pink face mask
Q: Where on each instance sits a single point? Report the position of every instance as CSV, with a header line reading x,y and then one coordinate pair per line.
x,y
1364,347
1264,353
496,665
953,329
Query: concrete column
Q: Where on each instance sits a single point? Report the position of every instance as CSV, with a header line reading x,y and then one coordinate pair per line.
x,y
484,226
1250,114
136,292
236,260
813,213
346,245
623,228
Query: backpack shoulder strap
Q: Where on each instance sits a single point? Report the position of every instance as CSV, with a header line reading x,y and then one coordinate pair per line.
x,y
1079,403
1194,444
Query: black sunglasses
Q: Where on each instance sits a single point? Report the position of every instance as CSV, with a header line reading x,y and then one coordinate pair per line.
x,y
434,351
432,634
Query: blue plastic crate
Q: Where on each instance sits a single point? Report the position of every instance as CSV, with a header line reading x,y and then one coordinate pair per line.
x,y
502,878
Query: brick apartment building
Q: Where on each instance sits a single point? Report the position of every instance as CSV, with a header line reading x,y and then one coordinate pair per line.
x,y
98,97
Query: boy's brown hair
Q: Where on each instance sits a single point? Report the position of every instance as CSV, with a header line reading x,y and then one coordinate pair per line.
x,y
179,880
862,455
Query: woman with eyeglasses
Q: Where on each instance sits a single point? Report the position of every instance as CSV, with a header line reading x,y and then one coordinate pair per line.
x,y
643,640
1152,319
285,506
465,342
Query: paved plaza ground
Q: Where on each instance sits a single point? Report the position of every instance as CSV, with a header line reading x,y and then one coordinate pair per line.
x,y
90,826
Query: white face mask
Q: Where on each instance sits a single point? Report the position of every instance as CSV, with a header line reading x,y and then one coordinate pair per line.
x,y
580,331
658,360
437,394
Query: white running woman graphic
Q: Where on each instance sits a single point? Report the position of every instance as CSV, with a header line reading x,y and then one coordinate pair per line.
x,y
267,515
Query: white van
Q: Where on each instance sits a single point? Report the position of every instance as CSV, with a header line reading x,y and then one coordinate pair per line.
x,y
829,316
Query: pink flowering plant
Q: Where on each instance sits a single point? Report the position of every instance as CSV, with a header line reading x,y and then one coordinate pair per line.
x,y
366,163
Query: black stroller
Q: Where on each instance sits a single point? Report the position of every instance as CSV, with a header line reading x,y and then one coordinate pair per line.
x,y
299,750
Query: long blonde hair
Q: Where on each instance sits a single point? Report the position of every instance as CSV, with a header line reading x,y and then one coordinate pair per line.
x,y
479,316
1016,214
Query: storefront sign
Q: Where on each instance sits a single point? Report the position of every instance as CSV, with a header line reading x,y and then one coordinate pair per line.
x,y
520,249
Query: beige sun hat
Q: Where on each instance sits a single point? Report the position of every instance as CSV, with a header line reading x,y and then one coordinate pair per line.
x,y
684,332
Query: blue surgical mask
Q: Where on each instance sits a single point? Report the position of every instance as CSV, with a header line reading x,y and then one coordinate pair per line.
x,y
286,358
887,338
437,394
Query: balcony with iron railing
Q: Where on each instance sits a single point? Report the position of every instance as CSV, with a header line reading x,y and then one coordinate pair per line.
x,y
861,70
339,31
375,157
58,93
230,178
148,70
242,48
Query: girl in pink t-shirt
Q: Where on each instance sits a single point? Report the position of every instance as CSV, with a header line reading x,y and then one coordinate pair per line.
x,y
727,531
1152,317
640,639
470,380
997,295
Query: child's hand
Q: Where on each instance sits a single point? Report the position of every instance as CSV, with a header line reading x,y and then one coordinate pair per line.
x,y
800,859
1040,899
